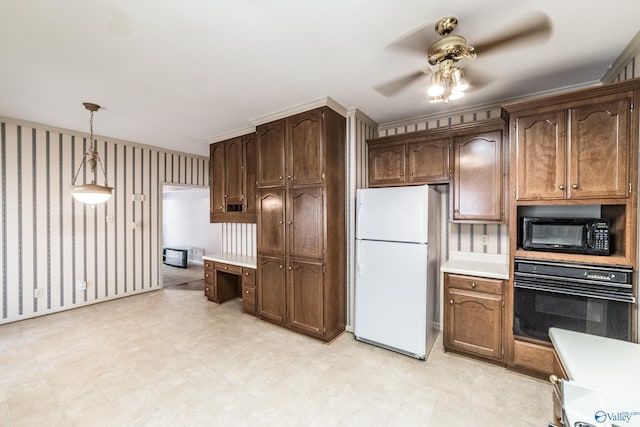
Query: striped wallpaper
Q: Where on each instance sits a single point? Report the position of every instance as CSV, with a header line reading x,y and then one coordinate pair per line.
x,y
50,243
239,238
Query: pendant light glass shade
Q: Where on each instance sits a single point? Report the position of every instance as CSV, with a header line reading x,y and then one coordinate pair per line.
x,y
92,193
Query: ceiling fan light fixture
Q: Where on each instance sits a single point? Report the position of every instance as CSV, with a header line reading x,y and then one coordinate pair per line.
x,y
92,193
436,99
458,82
436,85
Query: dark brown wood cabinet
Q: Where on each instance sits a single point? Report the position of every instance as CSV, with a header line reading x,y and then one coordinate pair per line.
x,y
233,180
209,280
477,190
223,282
574,151
473,315
301,278
408,159
249,290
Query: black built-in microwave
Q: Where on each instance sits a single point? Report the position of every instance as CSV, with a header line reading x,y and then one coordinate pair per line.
x,y
589,236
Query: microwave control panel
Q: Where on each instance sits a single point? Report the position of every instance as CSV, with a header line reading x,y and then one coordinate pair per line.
x,y
601,239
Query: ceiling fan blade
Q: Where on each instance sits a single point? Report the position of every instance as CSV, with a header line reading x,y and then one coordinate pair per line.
x,y
392,87
417,40
477,79
536,26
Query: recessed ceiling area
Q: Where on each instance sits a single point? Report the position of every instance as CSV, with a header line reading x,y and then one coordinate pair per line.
x,y
177,74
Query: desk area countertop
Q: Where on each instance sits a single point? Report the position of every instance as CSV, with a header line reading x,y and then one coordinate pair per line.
x,y
474,264
247,261
604,364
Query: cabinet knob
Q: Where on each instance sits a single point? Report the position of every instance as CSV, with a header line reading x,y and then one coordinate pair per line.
x,y
281,222
221,206
226,268
554,379
473,285
206,275
280,178
450,301
561,186
575,186
290,222
226,195
281,266
456,210
207,289
289,177
411,173
244,206
290,268
401,173
246,274
246,292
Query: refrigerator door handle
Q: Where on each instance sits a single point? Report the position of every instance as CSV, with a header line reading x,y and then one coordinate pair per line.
x,y
358,259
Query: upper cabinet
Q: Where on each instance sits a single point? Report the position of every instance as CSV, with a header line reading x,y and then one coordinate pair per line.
x,y
407,159
574,150
233,180
468,156
478,177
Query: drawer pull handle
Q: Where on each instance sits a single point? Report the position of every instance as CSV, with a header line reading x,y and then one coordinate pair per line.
x,y
575,186
450,301
226,268
207,289
246,292
401,173
411,173
473,285
281,266
554,379
246,274
206,275
561,186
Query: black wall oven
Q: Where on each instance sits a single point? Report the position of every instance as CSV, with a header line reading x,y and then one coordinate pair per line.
x,y
594,299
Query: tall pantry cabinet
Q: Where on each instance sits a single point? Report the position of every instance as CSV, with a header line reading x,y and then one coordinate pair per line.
x,y
301,277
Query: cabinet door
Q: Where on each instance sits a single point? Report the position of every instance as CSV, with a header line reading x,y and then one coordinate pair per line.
x,y
251,164
428,161
474,322
271,145
271,218
217,172
541,156
386,165
271,288
234,172
305,307
305,226
304,148
599,150
477,189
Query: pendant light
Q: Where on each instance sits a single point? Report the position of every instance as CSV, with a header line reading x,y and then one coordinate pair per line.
x,y
91,194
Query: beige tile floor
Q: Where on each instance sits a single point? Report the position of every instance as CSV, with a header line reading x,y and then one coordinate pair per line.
x,y
170,358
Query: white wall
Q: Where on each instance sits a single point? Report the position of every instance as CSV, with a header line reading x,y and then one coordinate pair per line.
x,y
185,222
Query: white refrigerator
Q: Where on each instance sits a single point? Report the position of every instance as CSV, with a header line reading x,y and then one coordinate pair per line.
x,y
397,265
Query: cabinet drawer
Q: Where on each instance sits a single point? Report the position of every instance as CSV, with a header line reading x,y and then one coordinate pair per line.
x,y
249,299
228,268
491,286
248,276
209,277
532,356
209,265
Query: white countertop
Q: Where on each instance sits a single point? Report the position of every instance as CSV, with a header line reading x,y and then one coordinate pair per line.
x,y
603,364
247,261
474,264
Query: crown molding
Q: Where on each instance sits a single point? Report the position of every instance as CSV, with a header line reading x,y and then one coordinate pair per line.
x,y
360,115
483,107
233,134
327,101
631,51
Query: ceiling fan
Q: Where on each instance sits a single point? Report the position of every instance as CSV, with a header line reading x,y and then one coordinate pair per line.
x,y
448,54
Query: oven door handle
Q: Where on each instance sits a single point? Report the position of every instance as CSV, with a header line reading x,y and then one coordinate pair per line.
x,y
542,287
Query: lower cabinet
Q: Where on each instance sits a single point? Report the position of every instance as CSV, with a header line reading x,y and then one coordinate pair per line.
x,y
291,293
473,315
559,373
209,280
249,290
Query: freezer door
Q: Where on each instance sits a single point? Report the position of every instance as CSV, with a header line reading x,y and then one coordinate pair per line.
x,y
391,295
396,214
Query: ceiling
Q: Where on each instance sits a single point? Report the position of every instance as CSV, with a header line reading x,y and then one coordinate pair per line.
x,y
175,74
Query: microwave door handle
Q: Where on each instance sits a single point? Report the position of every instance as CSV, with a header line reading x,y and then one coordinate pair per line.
x,y
589,235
